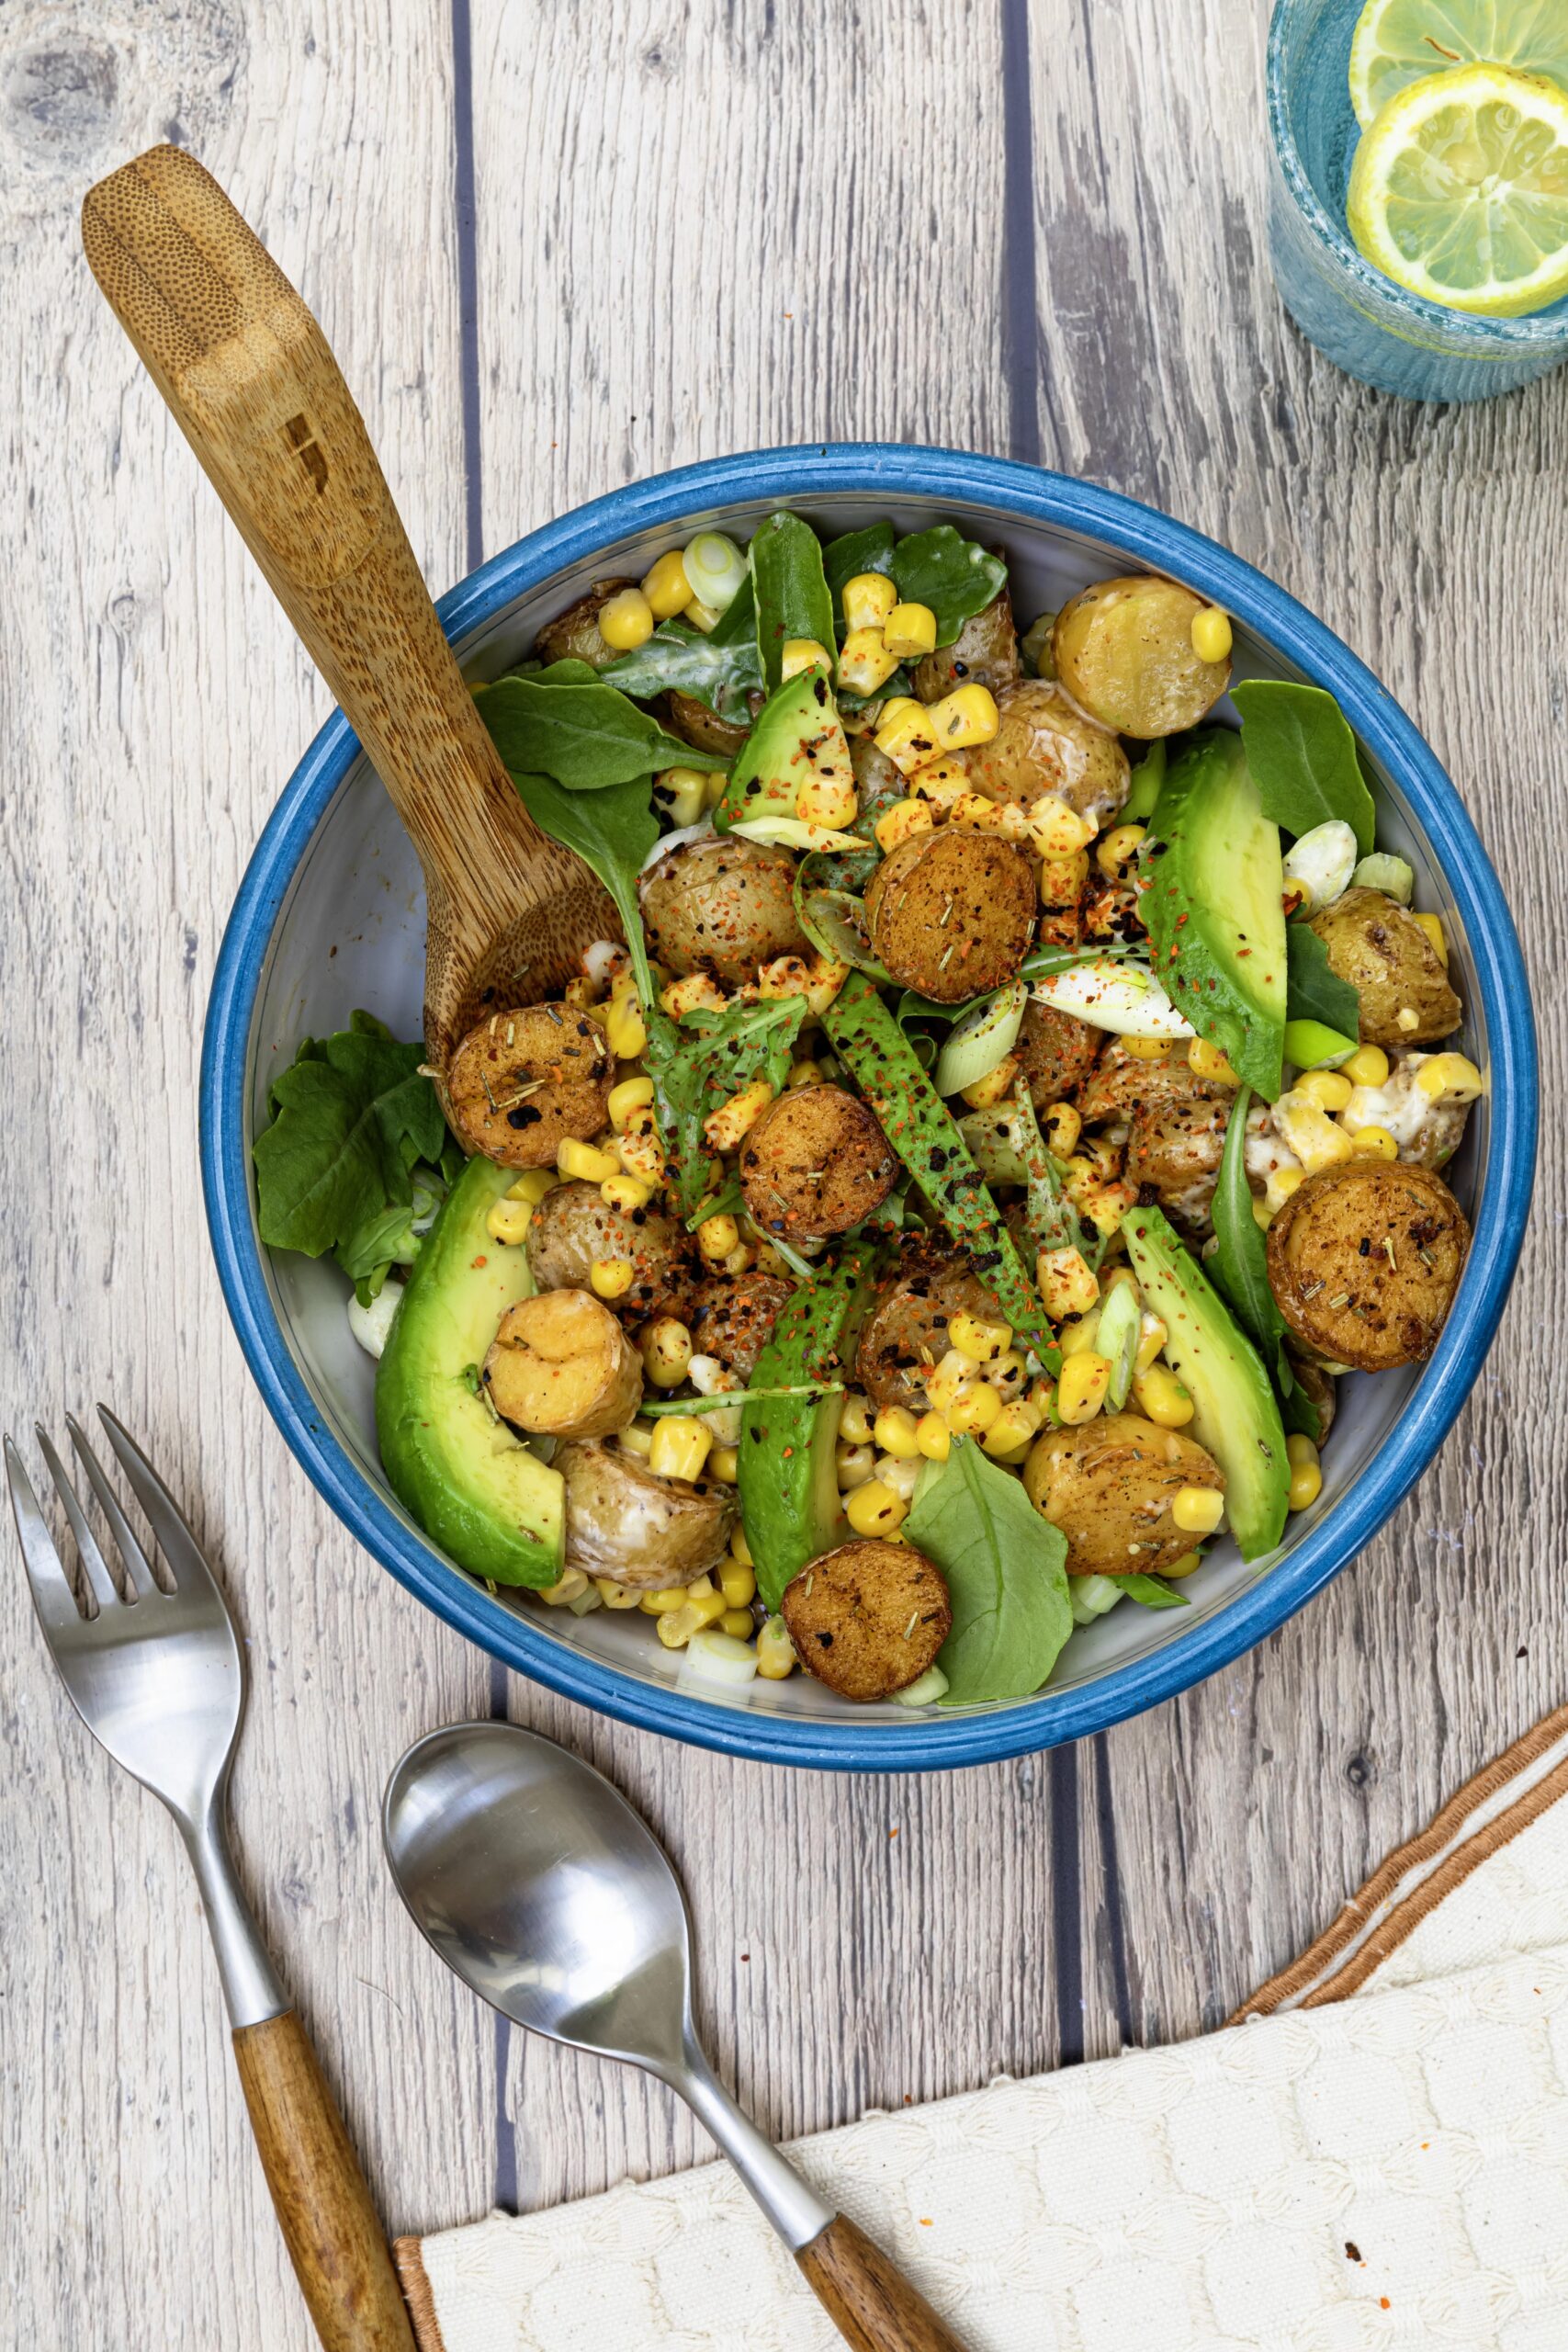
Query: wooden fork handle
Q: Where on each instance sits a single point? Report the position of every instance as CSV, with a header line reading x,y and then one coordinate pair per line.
x,y
868,2298
329,2223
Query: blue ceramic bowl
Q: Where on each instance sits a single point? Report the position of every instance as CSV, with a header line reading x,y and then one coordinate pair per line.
x,y
331,915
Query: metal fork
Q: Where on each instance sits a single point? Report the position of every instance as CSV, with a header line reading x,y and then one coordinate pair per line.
x,y
159,1679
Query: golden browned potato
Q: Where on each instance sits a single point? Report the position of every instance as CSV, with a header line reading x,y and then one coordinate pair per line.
x,y
1364,1260
1124,651
561,1365
525,1080
877,782
573,636
722,906
1174,1148
1056,1053
734,1314
648,1533
984,653
571,1227
868,1619
1121,1081
951,914
906,1335
1382,950
815,1164
1043,745
695,723
1108,1486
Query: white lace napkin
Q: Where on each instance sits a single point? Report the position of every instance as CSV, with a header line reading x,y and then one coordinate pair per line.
x,y
1377,2157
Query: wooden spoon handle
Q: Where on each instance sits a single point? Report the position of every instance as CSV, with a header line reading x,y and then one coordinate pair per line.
x,y
870,2302
329,2224
247,373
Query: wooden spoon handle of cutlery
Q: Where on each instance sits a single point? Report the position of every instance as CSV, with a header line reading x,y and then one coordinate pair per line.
x,y
868,2298
246,371
335,2240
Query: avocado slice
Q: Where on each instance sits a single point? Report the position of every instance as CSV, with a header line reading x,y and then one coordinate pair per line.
x,y
1235,1417
1211,903
788,1482
798,733
472,1484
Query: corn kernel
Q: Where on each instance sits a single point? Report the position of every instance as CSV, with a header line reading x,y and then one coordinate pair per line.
x,y
1014,1430
827,800
909,631
933,1437
943,1384
738,1584
680,794
1147,1049
704,616
1185,1565
977,1338
1162,1398
676,1626
899,1472
854,1417
610,1277
995,1087
1308,1132
740,1260
941,782
1118,850
639,1150
628,1033
508,1221
583,1160
715,788
1374,1143
775,1651
1212,636
852,1466
627,1193
1300,1447
901,823
1066,1284
802,1073
667,588
867,600
686,994
567,1588
616,1596
1061,1127
968,715
787,976
1081,1390
1078,1334
974,1406
738,1547
828,978
1062,879
658,1604
1152,1337
636,1438
1197,1511
532,1185
1262,1215
1450,1078
1210,1063
727,1128
876,1510
625,621
717,1236
1280,1183
680,1446
1330,1089
1368,1066
1057,830
865,662
894,1430
1307,1485
723,1464
906,736
1433,927
737,1623
978,812
802,653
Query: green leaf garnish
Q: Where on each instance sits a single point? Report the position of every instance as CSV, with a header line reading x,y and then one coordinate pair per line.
x,y
1004,1573
1314,991
1302,757
587,737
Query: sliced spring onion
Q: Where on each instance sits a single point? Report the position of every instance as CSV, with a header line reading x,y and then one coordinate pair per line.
x,y
999,1143
1312,1045
1391,875
985,1036
715,568
1122,997
718,1661
1322,862
925,1690
789,832
1116,1336
834,922
1091,1596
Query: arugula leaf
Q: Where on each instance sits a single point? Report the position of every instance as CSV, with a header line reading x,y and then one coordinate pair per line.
x,y
1151,1592
719,670
1053,1223
845,558
587,737
1006,1578
1302,756
1313,990
791,590
950,574
612,832
353,1116
698,1062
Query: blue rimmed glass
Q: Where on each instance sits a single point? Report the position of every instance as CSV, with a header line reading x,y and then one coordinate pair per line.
x,y
1364,323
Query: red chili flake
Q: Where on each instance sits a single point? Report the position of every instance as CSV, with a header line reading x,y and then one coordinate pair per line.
x,y
481,1261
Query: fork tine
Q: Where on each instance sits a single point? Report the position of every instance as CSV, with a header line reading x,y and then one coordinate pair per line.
x,y
138,1567
52,1596
165,1517
95,1565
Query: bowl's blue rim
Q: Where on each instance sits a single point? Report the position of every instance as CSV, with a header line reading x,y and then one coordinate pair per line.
x,y
895,470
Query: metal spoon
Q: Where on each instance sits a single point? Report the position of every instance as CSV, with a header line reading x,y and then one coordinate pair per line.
x,y
541,1888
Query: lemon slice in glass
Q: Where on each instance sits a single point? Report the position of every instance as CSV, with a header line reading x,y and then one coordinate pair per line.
x,y
1460,190
1398,42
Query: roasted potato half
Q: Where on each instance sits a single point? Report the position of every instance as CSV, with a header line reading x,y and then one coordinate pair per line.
x,y
868,1619
648,1533
1121,1083
1109,1485
984,653
1382,950
1174,1149
734,1316
1364,1260
815,1164
1056,1053
722,906
525,1080
695,723
1123,649
571,1227
561,1365
951,914
573,636
1043,745
905,1334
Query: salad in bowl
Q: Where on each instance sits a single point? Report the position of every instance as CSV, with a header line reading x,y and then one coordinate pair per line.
x,y
1008,1097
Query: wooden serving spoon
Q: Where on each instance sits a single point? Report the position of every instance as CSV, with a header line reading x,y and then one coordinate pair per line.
x,y
246,371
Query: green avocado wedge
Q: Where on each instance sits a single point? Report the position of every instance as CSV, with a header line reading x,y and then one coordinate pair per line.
x,y
1213,879
799,734
1235,1417
474,1487
788,1483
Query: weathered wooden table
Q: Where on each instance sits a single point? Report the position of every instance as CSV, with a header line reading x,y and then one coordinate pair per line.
x,y
556,247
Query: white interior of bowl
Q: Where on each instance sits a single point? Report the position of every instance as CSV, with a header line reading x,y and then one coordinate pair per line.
x,y
351,932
